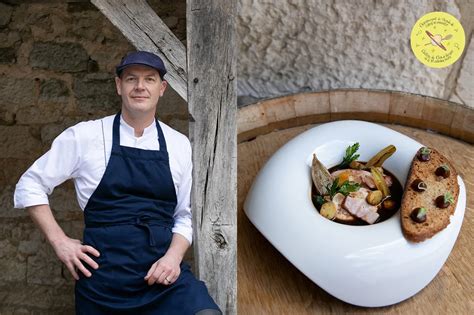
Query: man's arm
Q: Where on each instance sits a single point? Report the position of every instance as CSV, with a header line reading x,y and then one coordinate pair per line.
x,y
70,251
167,269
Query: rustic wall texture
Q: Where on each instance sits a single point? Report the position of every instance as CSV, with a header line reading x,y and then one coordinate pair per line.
x,y
293,46
56,68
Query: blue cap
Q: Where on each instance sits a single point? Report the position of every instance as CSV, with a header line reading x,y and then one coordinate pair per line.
x,y
144,58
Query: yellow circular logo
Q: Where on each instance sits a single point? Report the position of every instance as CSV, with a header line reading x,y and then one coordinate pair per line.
x,y
437,39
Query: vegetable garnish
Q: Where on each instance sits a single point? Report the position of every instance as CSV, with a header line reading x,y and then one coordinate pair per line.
x,y
448,198
319,201
332,190
350,156
380,181
346,187
425,151
380,157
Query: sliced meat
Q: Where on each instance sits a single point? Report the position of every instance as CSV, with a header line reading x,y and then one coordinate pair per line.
x,y
359,176
361,209
342,215
361,193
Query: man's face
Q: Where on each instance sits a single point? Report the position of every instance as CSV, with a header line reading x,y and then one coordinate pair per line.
x,y
140,88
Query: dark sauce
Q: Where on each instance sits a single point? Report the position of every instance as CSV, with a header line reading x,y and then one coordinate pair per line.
x,y
396,192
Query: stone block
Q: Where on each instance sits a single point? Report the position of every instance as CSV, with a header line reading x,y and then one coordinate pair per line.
x,y
65,57
7,117
24,229
74,229
13,91
51,131
7,249
35,115
11,169
17,142
5,14
6,203
9,38
13,269
64,204
80,7
96,93
7,55
44,267
29,248
39,297
81,26
54,90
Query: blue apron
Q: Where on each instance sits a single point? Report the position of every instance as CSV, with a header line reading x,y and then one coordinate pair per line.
x,y
128,219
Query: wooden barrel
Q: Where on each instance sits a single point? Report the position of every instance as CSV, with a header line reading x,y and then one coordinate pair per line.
x,y
267,282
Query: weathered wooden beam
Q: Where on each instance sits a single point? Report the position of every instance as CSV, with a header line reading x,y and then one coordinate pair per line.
x,y
146,31
211,47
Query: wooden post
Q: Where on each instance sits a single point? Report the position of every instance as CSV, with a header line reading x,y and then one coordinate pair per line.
x,y
211,40
146,31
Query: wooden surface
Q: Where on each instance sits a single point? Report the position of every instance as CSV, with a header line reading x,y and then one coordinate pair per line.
x,y
413,110
269,284
211,38
146,31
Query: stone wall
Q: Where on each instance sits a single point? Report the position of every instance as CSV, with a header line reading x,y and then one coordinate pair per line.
x,y
293,46
56,69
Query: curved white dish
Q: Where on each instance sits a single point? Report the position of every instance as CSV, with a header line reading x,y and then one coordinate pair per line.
x,y
362,265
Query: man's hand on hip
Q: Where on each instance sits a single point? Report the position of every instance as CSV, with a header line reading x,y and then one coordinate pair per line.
x,y
73,254
70,251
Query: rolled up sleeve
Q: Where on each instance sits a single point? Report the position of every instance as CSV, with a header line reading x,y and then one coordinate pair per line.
x,y
50,170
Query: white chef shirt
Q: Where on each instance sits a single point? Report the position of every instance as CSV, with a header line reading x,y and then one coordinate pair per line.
x,y
80,153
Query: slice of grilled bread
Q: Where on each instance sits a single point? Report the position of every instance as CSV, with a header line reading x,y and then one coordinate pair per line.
x,y
437,218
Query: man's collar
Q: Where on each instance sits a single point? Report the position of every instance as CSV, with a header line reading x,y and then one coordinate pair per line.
x,y
131,131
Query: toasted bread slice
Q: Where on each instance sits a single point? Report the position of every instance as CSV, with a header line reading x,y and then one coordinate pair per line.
x,y
436,185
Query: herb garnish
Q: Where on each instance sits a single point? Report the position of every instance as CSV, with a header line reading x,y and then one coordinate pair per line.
x,y
319,201
425,151
448,198
346,187
350,156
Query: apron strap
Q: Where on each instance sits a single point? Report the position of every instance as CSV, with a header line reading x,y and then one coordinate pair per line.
x,y
161,137
116,133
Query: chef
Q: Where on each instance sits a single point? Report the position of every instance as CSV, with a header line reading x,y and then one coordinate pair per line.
x,y
132,176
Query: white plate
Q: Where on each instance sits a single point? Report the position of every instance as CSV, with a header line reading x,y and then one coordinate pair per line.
x,y
362,265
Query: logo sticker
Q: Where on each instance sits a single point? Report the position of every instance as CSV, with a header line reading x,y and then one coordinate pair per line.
x,y
437,39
